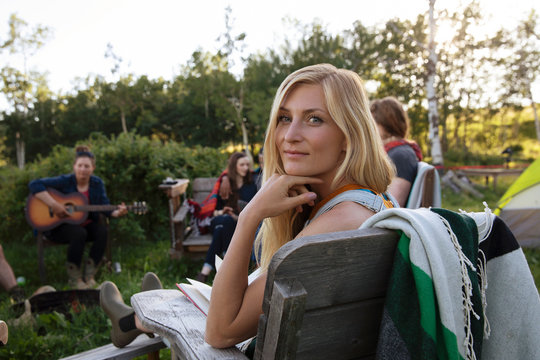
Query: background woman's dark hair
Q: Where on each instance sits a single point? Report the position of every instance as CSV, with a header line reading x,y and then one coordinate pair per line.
x,y
84,151
388,112
231,173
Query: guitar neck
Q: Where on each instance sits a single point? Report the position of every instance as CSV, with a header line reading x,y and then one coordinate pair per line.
x,y
96,208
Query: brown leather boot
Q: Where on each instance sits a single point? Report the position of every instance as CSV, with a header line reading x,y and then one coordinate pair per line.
x,y
150,281
90,270
123,330
75,279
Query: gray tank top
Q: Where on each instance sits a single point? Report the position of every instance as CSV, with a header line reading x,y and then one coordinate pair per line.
x,y
363,197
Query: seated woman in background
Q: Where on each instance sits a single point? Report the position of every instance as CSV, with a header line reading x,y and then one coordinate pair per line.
x,y
76,235
393,124
242,190
325,170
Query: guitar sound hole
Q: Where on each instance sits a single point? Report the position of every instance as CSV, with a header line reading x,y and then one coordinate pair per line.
x,y
69,208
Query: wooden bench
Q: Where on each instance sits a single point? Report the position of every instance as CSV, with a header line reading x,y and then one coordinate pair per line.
x,y
323,299
185,239
142,345
494,173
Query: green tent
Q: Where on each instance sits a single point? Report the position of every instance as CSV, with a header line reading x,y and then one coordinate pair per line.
x,y
519,207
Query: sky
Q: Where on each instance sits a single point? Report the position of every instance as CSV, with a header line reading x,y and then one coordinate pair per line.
x,y
155,38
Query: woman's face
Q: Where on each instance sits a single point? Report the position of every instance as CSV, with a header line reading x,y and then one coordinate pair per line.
x,y
83,168
308,139
242,166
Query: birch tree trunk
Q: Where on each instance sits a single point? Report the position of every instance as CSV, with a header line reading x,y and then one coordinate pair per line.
x,y
535,114
19,148
123,119
433,114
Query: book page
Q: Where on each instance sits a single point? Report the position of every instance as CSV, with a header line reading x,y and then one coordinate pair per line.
x,y
204,289
193,294
199,293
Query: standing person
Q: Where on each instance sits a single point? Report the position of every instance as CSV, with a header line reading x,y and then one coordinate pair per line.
x,y
325,170
81,180
242,190
393,125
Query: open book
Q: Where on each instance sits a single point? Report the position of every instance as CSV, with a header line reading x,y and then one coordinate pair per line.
x,y
199,293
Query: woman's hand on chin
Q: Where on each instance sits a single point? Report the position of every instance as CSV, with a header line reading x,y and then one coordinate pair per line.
x,y
281,193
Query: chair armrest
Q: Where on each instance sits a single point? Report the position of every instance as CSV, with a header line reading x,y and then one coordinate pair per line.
x,y
170,314
181,213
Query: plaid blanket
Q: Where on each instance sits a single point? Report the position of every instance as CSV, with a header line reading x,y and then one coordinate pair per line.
x,y
438,303
202,213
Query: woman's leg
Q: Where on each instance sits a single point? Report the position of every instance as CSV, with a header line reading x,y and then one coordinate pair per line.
x,y
216,226
97,233
126,326
229,225
75,236
7,277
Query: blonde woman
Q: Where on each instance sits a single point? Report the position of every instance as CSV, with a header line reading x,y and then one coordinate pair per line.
x,y
323,164
325,170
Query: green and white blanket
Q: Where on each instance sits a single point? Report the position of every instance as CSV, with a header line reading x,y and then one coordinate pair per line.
x,y
460,289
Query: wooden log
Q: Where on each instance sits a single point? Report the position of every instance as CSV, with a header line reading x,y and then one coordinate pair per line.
x,y
468,188
447,181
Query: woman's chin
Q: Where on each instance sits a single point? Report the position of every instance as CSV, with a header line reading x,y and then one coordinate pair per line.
x,y
297,172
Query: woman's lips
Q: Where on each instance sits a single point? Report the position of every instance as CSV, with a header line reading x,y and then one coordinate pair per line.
x,y
294,154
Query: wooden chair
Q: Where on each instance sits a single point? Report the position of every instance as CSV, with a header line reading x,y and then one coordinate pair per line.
x,y
43,242
185,239
426,189
323,299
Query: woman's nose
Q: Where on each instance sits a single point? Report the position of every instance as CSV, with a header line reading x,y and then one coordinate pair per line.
x,y
294,131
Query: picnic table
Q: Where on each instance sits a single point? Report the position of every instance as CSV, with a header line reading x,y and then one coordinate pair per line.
x,y
494,173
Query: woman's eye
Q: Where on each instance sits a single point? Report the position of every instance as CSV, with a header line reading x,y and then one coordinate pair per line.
x,y
315,120
283,118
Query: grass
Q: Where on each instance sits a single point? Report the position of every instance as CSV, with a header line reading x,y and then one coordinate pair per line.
x,y
54,335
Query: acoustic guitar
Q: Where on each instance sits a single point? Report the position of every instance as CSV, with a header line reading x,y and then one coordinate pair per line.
x,y
41,217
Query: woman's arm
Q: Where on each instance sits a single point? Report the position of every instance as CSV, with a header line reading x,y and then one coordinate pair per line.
x,y
57,208
400,188
235,307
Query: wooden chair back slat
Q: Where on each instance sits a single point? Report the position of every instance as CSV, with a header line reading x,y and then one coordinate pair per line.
x,y
345,276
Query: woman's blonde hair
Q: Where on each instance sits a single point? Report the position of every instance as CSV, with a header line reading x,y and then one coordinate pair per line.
x,y
365,162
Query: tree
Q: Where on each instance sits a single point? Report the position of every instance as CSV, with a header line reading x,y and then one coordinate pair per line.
x,y
433,112
234,44
120,90
462,73
20,87
519,56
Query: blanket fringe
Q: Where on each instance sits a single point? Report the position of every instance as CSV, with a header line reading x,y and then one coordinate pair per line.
x,y
482,263
466,292
483,290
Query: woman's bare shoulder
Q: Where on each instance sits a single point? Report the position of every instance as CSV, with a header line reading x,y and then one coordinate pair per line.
x,y
347,215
